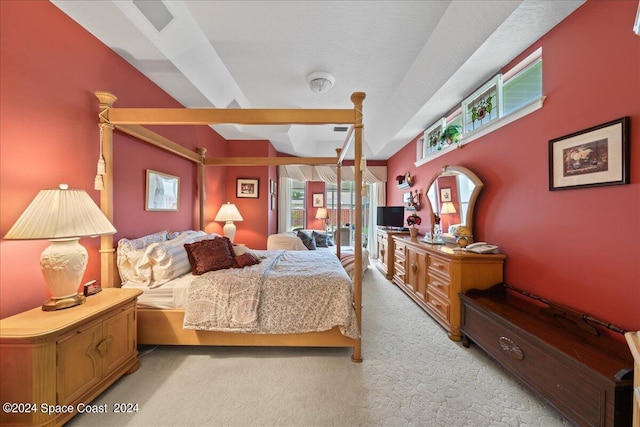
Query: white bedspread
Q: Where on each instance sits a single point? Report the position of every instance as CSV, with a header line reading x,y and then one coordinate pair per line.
x,y
288,292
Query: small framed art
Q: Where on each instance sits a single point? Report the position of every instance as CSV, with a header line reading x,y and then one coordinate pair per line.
x,y
592,157
163,191
445,194
318,200
247,188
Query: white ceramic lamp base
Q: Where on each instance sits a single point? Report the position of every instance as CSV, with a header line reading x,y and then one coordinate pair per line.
x,y
229,230
63,264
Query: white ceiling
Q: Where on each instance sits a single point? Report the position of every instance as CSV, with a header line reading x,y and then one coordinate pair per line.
x,y
414,59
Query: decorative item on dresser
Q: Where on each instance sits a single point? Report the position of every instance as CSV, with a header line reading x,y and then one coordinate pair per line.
x,y
67,357
433,275
563,355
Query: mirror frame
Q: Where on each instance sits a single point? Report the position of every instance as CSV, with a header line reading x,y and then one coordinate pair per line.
x,y
451,170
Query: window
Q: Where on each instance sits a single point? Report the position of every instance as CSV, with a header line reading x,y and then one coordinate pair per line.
x,y
346,211
298,208
500,101
521,89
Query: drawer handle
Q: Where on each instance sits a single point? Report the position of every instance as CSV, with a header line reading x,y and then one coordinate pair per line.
x,y
103,346
438,265
511,348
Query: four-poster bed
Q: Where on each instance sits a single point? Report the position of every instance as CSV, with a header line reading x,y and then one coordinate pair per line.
x,y
159,326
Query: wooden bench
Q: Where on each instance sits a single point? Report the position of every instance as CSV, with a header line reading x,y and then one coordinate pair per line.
x,y
563,355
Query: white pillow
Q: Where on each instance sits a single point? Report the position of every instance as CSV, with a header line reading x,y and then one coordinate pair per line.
x,y
167,260
130,251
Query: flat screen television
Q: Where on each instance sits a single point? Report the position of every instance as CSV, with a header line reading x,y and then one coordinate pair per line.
x,y
391,216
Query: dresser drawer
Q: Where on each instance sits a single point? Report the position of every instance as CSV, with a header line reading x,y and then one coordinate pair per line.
x,y
439,306
439,286
439,265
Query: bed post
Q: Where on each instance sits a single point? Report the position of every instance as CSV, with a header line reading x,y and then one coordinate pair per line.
x,y
338,233
107,252
202,194
357,99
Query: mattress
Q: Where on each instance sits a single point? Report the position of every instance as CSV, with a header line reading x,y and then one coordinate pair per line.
x,y
172,294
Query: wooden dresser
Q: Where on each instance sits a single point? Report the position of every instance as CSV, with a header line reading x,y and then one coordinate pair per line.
x,y
633,339
61,360
584,373
386,249
434,275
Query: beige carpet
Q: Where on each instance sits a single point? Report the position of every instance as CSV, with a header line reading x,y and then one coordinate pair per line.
x,y
412,375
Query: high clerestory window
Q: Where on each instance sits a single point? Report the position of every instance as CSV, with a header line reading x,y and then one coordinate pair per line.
x,y
505,98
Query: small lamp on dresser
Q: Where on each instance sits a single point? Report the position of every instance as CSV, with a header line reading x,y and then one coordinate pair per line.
x,y
62,216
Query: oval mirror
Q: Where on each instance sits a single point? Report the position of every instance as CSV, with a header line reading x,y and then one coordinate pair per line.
x,y
452,195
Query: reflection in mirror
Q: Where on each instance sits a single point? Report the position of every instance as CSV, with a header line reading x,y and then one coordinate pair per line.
x,y
452,195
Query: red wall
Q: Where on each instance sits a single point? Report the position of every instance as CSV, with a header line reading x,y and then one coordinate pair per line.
x,y
579,247
256,226
50,69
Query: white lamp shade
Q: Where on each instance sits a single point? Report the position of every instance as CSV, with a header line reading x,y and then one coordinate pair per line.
x,y
448,208
60,214
322,213
228,212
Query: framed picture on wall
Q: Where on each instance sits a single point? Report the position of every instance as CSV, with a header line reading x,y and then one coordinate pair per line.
x,y
247,188
592,157
162,192
318,200
445,194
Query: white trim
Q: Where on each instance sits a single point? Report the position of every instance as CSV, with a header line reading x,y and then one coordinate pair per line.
x,y
529,60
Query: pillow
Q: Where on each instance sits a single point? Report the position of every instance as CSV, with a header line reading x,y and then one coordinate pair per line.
x,y
209,255
241,249
131,251
321,239
167,260
307,240
245,260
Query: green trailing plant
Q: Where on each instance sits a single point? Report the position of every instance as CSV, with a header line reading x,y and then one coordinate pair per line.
x,y
451,134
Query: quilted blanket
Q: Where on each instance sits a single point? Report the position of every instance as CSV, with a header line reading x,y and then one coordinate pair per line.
x,y
288,292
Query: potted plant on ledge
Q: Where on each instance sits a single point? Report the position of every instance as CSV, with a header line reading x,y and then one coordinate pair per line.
x,y
412,221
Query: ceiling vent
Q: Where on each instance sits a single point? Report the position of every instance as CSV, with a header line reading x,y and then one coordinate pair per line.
x,y
340,128
155,12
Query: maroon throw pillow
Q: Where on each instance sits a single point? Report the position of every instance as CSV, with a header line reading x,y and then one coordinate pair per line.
x,y
245,260
209,255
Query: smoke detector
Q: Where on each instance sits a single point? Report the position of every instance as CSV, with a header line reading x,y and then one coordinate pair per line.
x,y
320,81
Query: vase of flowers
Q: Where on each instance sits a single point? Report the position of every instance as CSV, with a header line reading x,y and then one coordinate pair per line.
x,y
413,220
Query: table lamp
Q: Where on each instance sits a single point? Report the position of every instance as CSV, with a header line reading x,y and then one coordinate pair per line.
x,y
229,213
322,214
62,216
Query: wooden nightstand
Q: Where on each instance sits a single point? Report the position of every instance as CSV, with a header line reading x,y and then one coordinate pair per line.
x,y
67,357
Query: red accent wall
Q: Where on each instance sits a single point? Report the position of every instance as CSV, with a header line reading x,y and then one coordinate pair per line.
x,y
49,135
579,247
314,187
256,226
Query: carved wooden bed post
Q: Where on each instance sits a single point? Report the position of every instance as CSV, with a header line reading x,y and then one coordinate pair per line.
x,y
107,251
